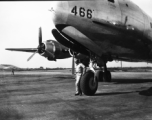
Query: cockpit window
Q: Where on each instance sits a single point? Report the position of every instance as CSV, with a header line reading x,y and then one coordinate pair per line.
x,y
111,1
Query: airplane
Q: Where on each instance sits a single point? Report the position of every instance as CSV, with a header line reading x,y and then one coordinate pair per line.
x,y
50,49
103,30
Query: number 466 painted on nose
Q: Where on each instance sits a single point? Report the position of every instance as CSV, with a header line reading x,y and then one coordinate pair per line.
x,y
82,12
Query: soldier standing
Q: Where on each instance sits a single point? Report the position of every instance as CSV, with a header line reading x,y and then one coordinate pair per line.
x,y
80,70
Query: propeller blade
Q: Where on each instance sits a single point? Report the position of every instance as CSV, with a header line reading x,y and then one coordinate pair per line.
x,y
40,36
50,54
31,56
73,65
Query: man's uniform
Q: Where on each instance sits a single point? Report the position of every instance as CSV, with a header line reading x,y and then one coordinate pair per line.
x,y
80,69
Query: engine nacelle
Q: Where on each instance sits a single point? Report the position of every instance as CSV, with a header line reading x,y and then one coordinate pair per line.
x,y
52,50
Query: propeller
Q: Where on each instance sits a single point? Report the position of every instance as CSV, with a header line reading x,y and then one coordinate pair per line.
x,y
41,46
40,36
49,53
31,56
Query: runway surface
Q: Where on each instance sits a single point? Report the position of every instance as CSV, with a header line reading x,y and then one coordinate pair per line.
x,y
50,96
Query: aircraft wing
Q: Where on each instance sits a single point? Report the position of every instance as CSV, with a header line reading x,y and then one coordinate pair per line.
x,y
23,49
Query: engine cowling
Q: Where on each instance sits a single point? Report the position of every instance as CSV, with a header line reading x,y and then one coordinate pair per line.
x,y
52,50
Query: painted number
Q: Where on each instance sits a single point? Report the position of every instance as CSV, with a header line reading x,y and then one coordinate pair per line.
x,y
82,12
89,13
74,10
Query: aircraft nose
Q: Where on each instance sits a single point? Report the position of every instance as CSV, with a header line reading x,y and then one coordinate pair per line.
x,y
60,13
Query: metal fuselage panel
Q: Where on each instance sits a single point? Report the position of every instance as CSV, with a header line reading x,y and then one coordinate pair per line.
x,y
80,17
132,15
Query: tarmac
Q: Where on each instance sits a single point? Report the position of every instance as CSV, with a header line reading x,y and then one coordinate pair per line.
x,y
50,95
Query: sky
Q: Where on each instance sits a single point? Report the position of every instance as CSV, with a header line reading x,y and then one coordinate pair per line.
x,y
19,23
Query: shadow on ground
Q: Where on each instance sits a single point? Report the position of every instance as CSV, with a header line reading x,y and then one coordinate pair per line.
x,y
147,92
64,77
130,81
9,114
112,93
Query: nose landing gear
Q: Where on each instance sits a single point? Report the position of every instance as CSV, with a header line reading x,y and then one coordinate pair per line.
x,y
88,84
89,81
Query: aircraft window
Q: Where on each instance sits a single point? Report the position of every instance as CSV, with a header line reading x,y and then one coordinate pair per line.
x,y
111,1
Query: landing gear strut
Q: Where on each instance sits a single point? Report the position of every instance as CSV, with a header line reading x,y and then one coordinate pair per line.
x,y
106,74
103,75
89,81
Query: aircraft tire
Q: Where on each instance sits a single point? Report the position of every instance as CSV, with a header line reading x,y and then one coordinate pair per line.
x,y
99,76
107,76
87,84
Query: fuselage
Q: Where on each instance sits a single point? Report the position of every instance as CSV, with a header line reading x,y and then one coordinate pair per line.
x,y
116,27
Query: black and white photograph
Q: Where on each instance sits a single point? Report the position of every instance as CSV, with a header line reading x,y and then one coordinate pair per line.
x,y
76,60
